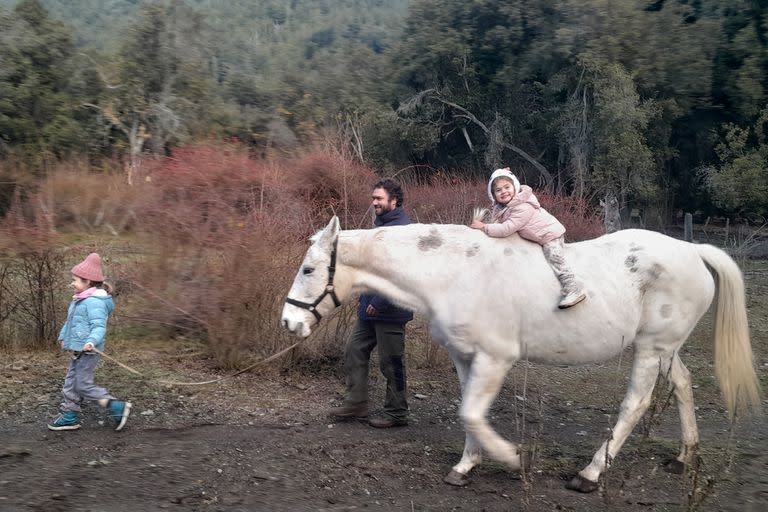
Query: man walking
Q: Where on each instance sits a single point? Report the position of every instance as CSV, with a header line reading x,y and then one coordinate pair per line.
x,y
381,324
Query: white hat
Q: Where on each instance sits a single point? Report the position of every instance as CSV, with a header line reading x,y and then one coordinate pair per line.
x,y
502,173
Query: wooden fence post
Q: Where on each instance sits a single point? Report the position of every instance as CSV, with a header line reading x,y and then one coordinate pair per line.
x,y
688,228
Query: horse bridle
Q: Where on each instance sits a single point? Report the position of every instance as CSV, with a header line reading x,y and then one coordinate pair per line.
x,y
329,289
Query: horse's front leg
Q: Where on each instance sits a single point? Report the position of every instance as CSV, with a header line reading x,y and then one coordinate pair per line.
x,y
485,380
638,398
473,454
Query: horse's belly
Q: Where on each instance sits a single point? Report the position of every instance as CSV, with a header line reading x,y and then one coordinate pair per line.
x,y
576,350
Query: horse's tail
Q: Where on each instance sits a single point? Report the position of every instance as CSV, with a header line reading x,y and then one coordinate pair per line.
x,y
734,366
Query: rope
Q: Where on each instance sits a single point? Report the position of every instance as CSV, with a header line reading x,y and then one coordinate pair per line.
x,y
202,383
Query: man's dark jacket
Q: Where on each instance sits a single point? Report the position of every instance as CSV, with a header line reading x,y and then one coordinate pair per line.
x,y
387,312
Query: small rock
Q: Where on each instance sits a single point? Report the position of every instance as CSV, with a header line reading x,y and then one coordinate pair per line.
x,y
581,433
419,396
148,412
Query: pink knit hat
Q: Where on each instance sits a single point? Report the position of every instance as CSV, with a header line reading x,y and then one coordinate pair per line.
x,y
89,269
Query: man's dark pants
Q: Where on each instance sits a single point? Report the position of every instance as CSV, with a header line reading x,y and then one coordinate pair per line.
x,y
390,339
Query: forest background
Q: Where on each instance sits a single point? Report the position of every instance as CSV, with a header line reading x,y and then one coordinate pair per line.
x,y
196,143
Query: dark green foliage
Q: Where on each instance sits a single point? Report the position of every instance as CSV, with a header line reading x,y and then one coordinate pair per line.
x,y
36,109
585,96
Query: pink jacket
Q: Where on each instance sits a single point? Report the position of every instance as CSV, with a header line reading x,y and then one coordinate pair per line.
x,y
525,216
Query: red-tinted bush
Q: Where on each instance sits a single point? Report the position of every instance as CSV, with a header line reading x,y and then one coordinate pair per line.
x,y
445,200
228,233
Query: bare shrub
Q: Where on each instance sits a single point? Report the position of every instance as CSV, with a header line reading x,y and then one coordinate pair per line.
x,y
581,220
228,233
445,199
87,201
31,278
323,184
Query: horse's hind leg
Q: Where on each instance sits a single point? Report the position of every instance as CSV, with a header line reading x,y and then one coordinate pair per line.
x,y
680,378
485,380
473,454
643,379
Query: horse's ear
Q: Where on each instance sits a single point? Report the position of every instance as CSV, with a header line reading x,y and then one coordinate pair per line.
x,y
333,227
331,231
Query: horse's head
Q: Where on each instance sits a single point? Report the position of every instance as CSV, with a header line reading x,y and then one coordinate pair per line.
x,y
313,293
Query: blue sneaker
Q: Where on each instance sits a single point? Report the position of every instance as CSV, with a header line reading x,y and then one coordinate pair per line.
x,y
67,420
119,411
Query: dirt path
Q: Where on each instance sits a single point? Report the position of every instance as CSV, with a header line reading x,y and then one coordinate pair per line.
x,y
263,443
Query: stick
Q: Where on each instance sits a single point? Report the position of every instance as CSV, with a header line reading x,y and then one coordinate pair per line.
x,y
202,383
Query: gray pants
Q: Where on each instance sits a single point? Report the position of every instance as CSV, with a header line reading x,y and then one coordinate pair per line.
x,y
554,252
390,339
78,384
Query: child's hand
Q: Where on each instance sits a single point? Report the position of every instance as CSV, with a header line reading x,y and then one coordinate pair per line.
x,y
476,224
88,347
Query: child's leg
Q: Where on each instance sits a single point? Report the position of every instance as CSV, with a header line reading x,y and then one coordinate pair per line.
x,y
117,409
554,252
84,385
69,419
70,397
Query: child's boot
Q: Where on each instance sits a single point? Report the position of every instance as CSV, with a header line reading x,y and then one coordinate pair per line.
x,y
119,411
573,295
67,420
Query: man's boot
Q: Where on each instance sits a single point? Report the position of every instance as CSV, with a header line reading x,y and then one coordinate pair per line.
x,y
350,410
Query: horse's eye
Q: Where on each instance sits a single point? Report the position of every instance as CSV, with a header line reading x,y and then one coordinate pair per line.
x,y
307,270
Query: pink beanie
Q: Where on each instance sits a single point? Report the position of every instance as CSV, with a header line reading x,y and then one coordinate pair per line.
x,y
89,269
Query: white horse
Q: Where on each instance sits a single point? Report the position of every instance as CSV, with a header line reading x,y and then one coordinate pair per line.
x,y
492,301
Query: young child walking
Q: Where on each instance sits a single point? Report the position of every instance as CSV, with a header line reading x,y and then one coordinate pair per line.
x,y
84,331
517,210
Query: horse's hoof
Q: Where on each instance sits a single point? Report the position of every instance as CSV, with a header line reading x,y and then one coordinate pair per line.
x,y
674,466
581,485
456,478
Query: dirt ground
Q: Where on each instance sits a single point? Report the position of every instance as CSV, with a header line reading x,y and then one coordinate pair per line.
x,y
262,441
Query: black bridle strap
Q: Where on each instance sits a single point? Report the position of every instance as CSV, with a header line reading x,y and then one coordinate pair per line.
x,y
329,289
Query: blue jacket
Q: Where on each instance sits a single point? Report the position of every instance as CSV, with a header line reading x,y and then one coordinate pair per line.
x,y
87,321
387,312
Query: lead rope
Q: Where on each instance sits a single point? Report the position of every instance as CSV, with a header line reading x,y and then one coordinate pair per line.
x,y
202,383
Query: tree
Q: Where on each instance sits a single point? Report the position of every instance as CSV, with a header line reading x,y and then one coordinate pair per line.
x,y
475,75
160,88
740,183
622,158
35,107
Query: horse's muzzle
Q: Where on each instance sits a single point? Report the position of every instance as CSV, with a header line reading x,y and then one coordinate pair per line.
x,y
298,328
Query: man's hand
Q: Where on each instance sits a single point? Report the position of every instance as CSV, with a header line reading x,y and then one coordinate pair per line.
x,y
371,311
476,224
88,347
